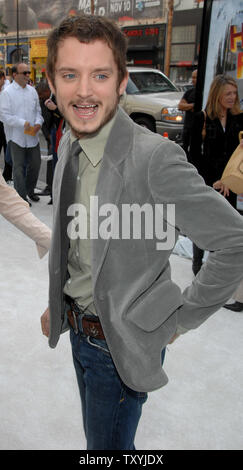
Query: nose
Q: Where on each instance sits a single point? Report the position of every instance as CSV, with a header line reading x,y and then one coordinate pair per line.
x,y
84,88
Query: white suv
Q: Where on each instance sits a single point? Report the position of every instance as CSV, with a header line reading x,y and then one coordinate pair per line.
x,y
151,100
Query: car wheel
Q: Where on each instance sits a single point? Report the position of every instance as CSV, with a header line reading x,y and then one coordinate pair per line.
x,y
145,122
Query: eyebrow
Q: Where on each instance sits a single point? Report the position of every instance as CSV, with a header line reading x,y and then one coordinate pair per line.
x,y
61,69
97,70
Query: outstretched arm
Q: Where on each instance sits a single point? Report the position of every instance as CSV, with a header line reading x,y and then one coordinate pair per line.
x,y
17,211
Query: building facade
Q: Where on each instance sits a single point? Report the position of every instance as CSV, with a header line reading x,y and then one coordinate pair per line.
x,y
185,43
143,22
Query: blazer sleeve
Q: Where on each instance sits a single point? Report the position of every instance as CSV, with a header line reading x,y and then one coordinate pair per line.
x,y
205,217
17,211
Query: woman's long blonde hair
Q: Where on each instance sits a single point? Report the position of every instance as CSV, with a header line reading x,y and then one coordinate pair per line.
x,y
216,89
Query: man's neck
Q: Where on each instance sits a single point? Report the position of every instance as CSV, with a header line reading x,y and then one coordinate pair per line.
x,y
22,86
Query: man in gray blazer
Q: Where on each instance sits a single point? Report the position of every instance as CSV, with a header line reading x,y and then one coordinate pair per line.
x,y
121,196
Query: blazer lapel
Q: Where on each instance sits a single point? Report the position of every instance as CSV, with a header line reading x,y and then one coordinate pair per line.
x,y
110,182
60,241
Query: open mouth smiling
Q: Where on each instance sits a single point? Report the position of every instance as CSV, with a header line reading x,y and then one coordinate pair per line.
x,y
85,110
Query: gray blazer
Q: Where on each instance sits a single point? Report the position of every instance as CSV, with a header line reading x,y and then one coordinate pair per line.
x,y
140,308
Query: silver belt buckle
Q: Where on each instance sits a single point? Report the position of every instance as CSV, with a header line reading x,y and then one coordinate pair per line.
x,y
93,331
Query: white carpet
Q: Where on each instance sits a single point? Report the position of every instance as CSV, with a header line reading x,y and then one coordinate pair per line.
x,y
200,408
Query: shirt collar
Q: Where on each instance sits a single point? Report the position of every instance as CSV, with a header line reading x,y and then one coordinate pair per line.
x,y
94,146
17,86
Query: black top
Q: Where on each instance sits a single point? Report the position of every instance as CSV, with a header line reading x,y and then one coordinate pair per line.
x,y
189,96
51,118
211,155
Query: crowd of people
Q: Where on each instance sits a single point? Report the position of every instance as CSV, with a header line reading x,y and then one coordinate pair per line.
x,y
116,296
24,111
209,139
21,119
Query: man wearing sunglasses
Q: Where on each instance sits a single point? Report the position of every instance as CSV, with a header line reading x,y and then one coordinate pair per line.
x,y
21,114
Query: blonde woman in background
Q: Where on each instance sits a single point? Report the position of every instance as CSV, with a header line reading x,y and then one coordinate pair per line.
x,y
214,137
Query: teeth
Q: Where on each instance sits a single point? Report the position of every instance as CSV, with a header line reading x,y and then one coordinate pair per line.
x,y
86,106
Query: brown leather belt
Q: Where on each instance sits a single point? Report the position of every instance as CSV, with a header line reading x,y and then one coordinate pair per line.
x,y
90,327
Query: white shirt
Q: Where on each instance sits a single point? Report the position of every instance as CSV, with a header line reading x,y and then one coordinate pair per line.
x,y
17,106
6,83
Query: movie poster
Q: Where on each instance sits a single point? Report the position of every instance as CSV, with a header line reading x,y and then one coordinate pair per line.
x,y
224,49
36,14
225,44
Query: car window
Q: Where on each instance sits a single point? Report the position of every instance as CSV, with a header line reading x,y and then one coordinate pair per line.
x,y
148,82
131,87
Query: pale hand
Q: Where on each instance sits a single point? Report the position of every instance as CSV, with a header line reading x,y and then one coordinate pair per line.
x,y
222,188
45,323
26,126
37,128
174,338
50,105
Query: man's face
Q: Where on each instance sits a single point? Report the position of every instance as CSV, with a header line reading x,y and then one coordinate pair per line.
x,y
86,85
23,74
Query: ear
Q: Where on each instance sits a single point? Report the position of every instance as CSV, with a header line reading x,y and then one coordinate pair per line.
x,y
123,84
51,85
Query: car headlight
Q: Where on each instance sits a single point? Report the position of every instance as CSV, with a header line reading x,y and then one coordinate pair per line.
x,y
172,115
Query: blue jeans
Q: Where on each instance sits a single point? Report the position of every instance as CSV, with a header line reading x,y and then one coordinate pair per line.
x,y
111,411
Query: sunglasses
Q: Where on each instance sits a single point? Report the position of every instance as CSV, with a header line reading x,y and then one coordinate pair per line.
x,y
26,72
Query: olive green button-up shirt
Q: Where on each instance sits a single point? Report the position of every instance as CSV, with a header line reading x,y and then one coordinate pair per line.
x,y
79,284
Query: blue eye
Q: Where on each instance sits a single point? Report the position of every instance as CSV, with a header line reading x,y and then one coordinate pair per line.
x,y
69,76
101,76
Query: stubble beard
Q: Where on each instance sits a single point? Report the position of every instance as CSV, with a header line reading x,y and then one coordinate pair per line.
x,y
81,134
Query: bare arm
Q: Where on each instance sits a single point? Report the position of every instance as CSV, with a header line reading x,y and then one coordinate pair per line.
x,y
17,211
45,322
185,106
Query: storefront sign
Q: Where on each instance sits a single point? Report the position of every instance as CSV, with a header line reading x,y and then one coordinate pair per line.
x,y
124,8
143,35
135,32
34,14
38,47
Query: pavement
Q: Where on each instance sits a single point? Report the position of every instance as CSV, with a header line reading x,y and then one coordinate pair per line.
x,y
201,408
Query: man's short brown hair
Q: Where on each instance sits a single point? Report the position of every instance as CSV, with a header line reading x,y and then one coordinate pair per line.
x,y
88,29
